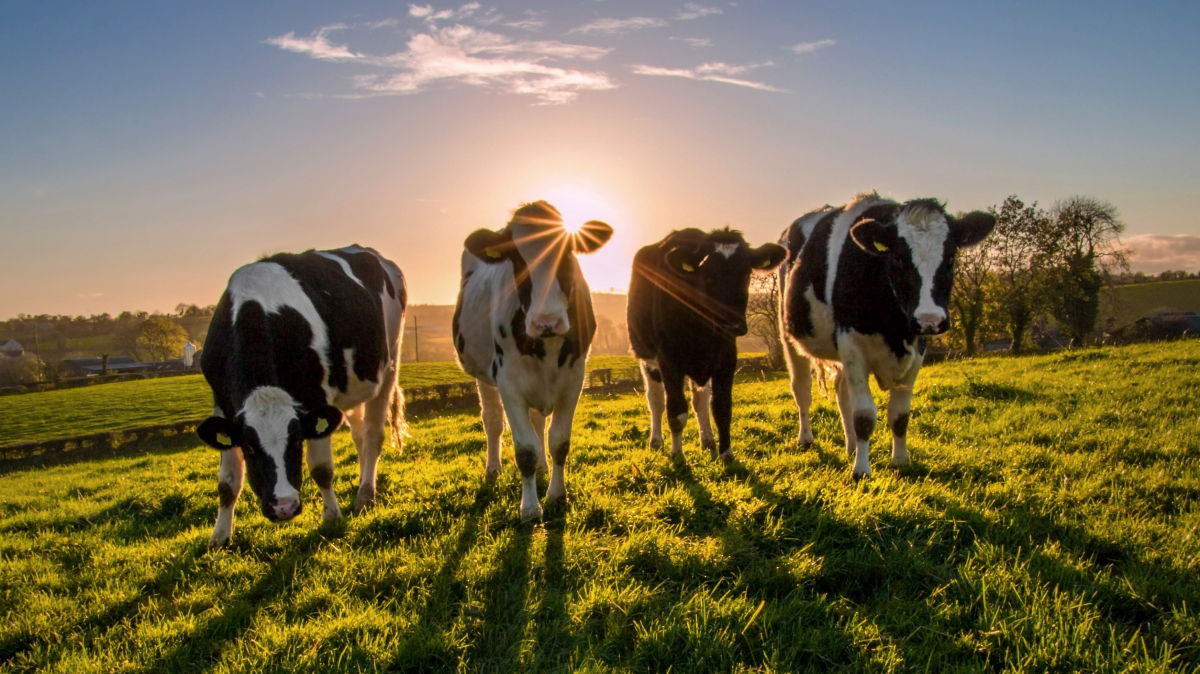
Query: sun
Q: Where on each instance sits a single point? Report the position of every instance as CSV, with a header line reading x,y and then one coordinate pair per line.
x,y
579,201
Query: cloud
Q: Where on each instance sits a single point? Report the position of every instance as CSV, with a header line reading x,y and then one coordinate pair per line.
x,y
692,10
316,46
697,42
618,26
810,47
526,24
430,15
711,72
480,58
1158,252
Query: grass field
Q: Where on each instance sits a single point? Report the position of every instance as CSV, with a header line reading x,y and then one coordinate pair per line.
x,y
1050,522
1127,303
39,417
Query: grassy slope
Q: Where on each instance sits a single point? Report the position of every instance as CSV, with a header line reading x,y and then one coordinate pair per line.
x,y
1049,522
38,417
1128,303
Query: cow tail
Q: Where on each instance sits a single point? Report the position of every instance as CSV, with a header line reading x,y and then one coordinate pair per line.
x,y
396,418
824,371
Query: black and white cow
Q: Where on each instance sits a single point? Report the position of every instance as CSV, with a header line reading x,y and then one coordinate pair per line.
x,y
522,327
687,306
298,339
862,285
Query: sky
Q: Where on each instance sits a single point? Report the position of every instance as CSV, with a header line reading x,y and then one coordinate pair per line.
x,y
148,149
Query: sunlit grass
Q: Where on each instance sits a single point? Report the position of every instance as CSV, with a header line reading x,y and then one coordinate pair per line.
x,y
1049,522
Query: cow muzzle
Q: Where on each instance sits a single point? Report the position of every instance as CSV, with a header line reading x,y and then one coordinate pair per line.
x,y
932,324
548,325
282,509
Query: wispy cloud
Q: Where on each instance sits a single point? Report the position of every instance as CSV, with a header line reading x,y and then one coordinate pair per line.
x,y
712,72
810,47
618,26
697,42
1159,252
316,45
467,55
692,11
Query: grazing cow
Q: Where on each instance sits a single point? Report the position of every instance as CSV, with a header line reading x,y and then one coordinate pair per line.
x,y
296,340
522,327
687,306
861,287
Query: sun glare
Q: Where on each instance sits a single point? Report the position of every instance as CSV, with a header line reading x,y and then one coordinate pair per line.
x,y
579,202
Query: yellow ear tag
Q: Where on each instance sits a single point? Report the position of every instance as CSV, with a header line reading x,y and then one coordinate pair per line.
x,y
224,439
322,424
493,253
687,267
880,247
764,264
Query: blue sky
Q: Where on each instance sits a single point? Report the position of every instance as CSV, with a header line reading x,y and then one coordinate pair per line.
x,y
148,149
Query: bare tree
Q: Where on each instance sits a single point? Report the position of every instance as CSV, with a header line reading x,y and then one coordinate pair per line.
x,y
762,315
972,276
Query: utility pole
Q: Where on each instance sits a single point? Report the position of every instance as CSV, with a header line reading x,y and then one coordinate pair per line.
x,y
416,339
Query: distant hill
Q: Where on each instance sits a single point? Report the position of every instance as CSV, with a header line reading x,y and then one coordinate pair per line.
x,y
1126,303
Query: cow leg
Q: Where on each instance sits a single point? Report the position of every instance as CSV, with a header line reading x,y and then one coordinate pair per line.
x,y
538,421
320,467
899,405
656,399
722,407
858,391
701,404
845,402
492,411
375,421
800,373
354,419
676,409
525,447
229,487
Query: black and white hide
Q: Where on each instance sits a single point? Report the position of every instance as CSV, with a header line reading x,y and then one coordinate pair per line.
x,y
522,327
687,307
861,287
297,340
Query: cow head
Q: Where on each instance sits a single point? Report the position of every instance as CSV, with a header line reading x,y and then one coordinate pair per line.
x,y
918,241
270,429
542,254
716,268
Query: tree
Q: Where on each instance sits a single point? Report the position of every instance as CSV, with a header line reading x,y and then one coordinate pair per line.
x,y
1015,254
161,338
1082,245
972,277
762,315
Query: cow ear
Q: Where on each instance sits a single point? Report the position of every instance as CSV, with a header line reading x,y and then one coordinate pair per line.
x,y
489,245
971,228
591,236
873,236
219,433
683,262
767,256
321,423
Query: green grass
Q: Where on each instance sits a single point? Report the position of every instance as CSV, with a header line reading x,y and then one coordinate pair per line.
x,y
1127,303
39,417
1049,522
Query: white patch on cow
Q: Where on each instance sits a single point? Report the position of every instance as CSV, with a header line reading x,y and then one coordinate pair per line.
x,y
357,390
925,231
542,248
273,287
269,410
341,263
727,249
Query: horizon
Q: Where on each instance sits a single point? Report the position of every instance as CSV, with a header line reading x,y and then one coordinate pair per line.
x,y
151,150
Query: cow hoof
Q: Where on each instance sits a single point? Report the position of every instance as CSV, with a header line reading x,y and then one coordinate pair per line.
x,y
805,445
857,476
333,515
656,443
218,542
534,513
726,457
556,503
491,473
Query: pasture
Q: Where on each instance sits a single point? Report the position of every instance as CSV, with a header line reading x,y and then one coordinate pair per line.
x,y
1050,522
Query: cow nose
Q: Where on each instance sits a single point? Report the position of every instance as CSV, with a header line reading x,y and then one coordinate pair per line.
x,y
737,328
285,508
548,325
931,323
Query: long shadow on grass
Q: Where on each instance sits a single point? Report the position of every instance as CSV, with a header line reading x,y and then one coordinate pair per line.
x,y
553,641
161,446
166,580
206,643
504,615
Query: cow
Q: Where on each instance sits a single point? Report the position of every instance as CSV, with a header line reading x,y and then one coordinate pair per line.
x,y
687,307
862,286
522,327
298,342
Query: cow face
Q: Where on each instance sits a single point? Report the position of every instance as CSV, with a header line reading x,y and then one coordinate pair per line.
x,y
717,268
918,242
542,254
270,430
